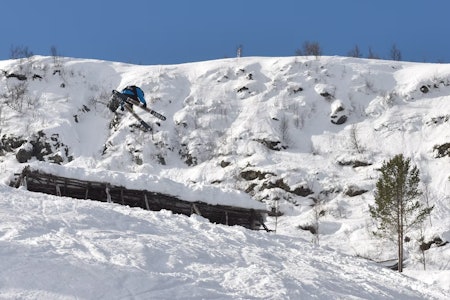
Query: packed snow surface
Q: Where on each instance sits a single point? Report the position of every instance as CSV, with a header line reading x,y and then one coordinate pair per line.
x,y
304,136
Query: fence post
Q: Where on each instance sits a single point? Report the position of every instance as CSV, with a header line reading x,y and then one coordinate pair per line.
x,y
108,195
146,201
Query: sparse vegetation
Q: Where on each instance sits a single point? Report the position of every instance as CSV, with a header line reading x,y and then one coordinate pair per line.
x,y
355,143
284,130
17,52
395,53
239,50
309,48
15,95
355,52
372,55
57,62
318,212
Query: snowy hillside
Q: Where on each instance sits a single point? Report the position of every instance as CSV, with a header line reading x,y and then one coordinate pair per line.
x,y
288,132
56,248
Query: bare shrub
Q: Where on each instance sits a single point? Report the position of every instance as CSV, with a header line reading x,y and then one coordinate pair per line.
x,y
368,83
355,143
309,48
284,130
395,53
239,50
56,57
318,211
15,95
17,52
298,118
372,55
355,52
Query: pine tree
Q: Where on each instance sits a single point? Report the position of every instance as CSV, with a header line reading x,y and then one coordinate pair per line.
x,y
397,208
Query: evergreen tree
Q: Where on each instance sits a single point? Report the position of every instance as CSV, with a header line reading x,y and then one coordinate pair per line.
x,y
397,208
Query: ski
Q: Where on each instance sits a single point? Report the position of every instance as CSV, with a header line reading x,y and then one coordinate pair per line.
x,y
149,110
143,123
139,104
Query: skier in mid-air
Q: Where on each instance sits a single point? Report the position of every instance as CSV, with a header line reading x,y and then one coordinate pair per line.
x,y
135,93
129,96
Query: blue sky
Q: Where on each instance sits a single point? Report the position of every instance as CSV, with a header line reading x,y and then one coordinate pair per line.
x,y
178,31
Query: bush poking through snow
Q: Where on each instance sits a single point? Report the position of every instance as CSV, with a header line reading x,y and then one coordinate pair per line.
x,y
355,143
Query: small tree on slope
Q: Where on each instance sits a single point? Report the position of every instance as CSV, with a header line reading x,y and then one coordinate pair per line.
x,y
397,208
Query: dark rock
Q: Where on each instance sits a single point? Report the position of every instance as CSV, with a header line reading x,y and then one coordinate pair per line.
x,y
161,159
326,95
302,191
242,89
424,89
272,145
42,148
189,159
250,188
87,109
224,164
57,159
438,120
277,184
24,155
353,191
9,143
354,163
341,120
18,76
310,228
437,241
442,150
253,174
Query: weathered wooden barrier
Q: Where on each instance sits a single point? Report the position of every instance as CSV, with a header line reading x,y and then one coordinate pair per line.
x,y
37,181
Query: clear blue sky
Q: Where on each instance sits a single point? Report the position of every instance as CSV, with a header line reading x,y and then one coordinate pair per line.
x,y
178,31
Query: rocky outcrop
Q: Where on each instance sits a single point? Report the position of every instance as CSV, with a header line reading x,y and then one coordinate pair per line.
x,y
442,150
268,182
338,115
43,149
354,163
10,143
353,190
436,241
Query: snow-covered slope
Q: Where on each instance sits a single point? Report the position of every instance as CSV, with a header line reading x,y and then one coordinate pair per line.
x,y
289,132
57,248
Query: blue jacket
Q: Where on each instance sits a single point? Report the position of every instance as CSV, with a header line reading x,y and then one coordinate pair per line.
x,y
139,94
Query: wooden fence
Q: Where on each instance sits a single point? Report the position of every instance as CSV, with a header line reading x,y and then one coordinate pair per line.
x,y
37,181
